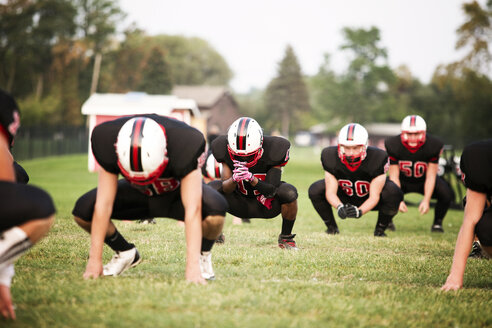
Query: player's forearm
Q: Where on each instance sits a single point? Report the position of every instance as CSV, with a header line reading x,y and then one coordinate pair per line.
x,y
228,185
193,234
462,249
99,227
369,204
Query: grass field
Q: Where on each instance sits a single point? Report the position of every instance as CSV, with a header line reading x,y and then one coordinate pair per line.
x,y
349,280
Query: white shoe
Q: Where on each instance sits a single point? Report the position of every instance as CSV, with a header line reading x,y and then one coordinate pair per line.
x,y
206,266
122,261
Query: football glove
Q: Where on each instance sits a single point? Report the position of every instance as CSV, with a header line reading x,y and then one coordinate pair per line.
x,y
352,211
241,172
342,213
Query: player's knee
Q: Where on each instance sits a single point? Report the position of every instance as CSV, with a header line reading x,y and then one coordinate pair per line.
x,y
316,190
287,193
213,202
42,205
483,230
216,184
84,207
391,197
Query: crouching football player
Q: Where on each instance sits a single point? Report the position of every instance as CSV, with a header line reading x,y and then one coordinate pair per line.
x,y
159,160
26,212
355,182
251,176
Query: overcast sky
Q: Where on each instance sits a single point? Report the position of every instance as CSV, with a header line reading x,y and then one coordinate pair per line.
x,y
252,35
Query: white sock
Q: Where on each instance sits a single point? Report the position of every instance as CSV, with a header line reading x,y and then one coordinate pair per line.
x,y
13,243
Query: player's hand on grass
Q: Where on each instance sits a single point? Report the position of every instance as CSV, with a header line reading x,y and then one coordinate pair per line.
x,y
424,207
403,207
452,284
94,269
194,275
6,306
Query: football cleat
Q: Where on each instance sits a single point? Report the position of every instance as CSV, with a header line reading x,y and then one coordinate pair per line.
x,y
378,232
332,230
477,252
287,242
122,261
220,239
391,226
437,228
206,266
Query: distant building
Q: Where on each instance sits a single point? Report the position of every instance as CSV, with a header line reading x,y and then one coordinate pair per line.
x,y
378,132
216,104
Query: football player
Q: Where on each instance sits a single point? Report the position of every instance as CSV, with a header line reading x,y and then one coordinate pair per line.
x,y
476,168
160,161
414,156
26,212
355,182
251,176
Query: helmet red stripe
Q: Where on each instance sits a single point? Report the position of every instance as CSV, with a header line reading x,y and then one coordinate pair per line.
x,y
217,169
413,120
350,132
135,148
241,133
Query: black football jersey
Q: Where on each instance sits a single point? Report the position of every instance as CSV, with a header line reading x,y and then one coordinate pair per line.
x,y
413,166
356,183
9,117
185,150
275,153
476,166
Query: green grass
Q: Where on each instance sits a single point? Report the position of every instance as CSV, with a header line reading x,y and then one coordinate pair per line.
x,y
349,280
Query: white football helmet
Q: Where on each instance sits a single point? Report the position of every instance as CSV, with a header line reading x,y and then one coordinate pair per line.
x,y
245,141
413,124
141,148
352,134
213,168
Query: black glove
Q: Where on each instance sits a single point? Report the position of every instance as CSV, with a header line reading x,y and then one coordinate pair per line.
x,y
342,213
352,211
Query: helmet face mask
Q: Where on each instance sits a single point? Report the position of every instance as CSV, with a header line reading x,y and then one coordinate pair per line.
x,y
141,149
352,145
245,141
413,132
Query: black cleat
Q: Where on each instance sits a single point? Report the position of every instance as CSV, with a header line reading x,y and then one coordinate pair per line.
x,y
332,230
391,226
378,232
437,228
476,251
220,239
287,242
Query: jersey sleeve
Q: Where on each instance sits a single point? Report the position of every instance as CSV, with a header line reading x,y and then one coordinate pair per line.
x,y
475,165
219,148
379,161
187,154
103,139
329,156
391,149
278,150
435,149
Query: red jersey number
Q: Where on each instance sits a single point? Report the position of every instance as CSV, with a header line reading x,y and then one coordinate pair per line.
x,y
410,169
359,188
242,187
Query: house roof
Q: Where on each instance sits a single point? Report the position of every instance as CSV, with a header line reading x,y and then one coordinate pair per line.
x,y
136,103
205,96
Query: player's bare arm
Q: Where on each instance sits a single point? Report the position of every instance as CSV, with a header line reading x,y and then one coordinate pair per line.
x,y
331,184
106,193
228,184
375,189
430,183
191,196
6,161
475,202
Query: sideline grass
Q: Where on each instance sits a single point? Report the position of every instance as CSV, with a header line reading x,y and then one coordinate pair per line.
x,y
349,280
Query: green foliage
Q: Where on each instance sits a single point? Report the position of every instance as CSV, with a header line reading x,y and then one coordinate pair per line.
x,y
348,280
286,95
45,111
156,75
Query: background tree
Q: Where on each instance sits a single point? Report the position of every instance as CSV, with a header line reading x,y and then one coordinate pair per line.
x,y
286,95
156,75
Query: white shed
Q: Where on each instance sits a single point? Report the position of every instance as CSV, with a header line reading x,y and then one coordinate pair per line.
x,y
105,107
